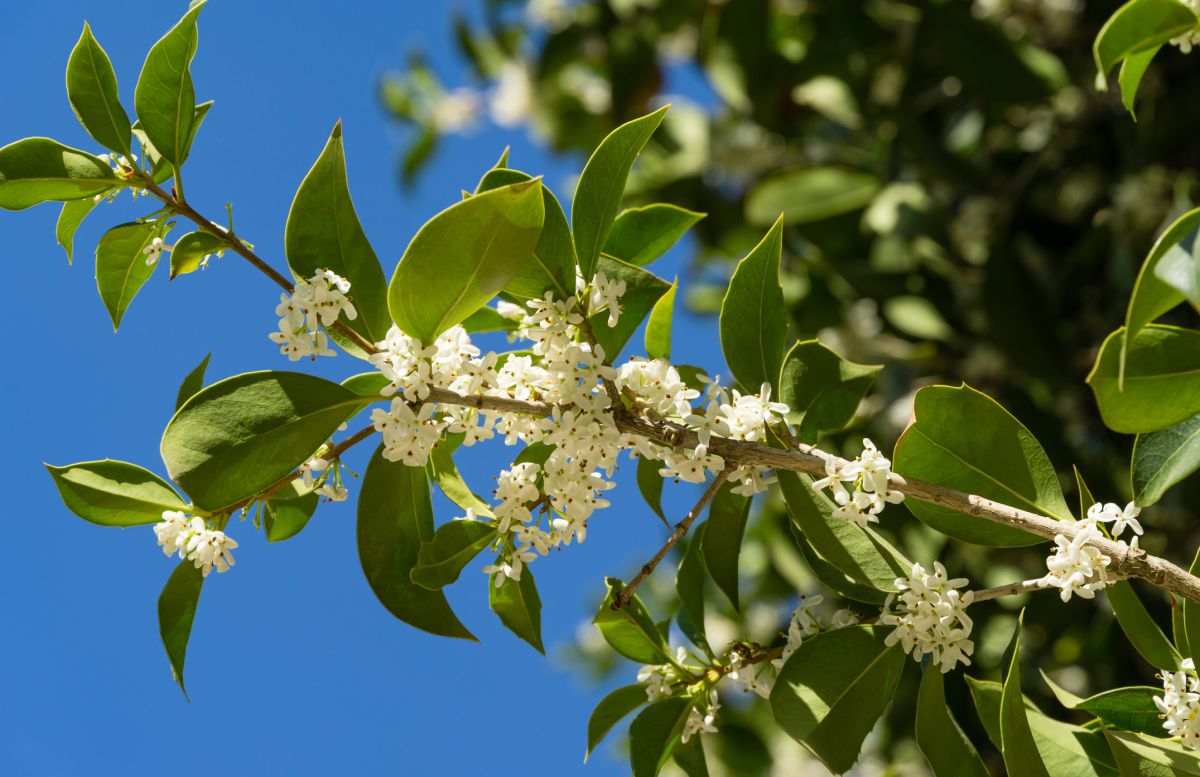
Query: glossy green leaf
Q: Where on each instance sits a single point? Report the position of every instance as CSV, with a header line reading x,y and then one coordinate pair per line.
x,y
69,219
821,388
114,493
445,474
942,742
92,92
442,558
832,690
121,268
189,252
860,554
394,517
1140,628
654,734
1163,458
36,170
1151,295
518,606
1131,709
965,440
1021,756
165,97
177,612
602,184
192,382
609,712
658,328
641,235
806,194
1161,379
642,290
1137,26
239,435
1132,70
689,584
630,630
722,546
753,320
463,257
288,511
323,233
1143,756
650,484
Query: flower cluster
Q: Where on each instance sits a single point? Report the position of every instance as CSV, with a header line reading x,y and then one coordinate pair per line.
x,y
869,475
701,722
317,475
1079,567
313,303
931,617
1191,38
1180,703
659,678
194,541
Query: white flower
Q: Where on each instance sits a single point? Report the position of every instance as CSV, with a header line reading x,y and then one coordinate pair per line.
x,y
1120,518
1077,567
931,617
606,295
457,110
306,470
195,542
334,493
869,475
407,436
701,722
315,302
173,532
658,680
154,251
512,99
1180,704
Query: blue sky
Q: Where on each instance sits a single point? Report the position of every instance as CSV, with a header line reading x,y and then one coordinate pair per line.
x,y
294,668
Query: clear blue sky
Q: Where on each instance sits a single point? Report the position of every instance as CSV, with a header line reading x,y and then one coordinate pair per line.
x,y
294,668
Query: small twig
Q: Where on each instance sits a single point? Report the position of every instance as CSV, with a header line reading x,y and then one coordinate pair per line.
x,y
1010,589
681,529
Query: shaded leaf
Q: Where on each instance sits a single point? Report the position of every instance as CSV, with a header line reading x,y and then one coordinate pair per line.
x,y
177,612
69,219
722,544
1163,458
821,388
611,709
806,194
753,319
642,290
943,743
1161,385
518,606
654,734
1140,628
442,558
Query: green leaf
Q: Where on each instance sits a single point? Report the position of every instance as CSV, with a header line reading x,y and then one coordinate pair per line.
x,y
1151,295
833,689
1180,269
860,554
833,577
1163,458
609,712
753,319
1140,628
806,194
602,184
176,612
943,743
239,435
641,235
69,219
192,382
288,511
1132,70
165,98
1138,754
442,558
36,170
630,630
323,233
1162,379
1130,708
658,328
1021,756
189,251
114,493
821,388
689,584
394,517
689,757
161,169
965,440
722,544
92,91
442,470
1191,616
121,268
1137,26
650,483
367,384
518,607
655,733
552,266
488,319
643,289
463,257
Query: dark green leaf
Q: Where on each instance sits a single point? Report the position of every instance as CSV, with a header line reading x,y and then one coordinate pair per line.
x,y
642,290
1140,628
162,170
808,194
611,709
288,511
192,382
1163,458
630,630
463,257
689,757
69,219
165,98
832,690
1137,26
689,584
654,734
92,91
323,233
641,235
36,170
658,328
722,544
753,319
821,388
394,518
441,559
1161,385
190,250
239,435
942,741
601,185
650,483
552,266
833,577
518,606
114,493
443,471
1191,617
1131,708
1021,756
965,440
176,612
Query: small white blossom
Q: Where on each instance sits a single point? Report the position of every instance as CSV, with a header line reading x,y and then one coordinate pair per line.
x,y
192,540
513,98
154,251
701,722
869,475
606,295
1180,704
931,617
315,302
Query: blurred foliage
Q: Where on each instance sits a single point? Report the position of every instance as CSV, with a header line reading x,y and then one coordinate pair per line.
x,y
961,204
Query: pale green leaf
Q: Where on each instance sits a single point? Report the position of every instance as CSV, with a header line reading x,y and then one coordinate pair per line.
x,y
808,194
192,382
69,219
121,268
641,235
114,493
189,252
518,606
630,630
1137,26
658,328
609,712
36,170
